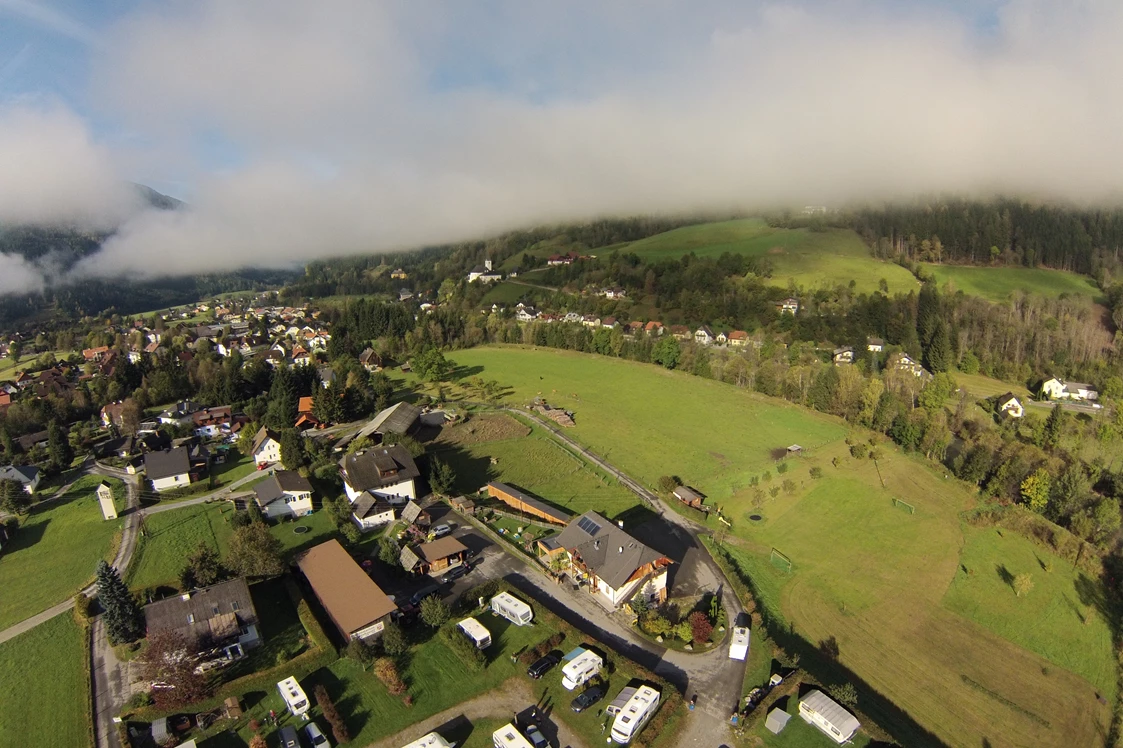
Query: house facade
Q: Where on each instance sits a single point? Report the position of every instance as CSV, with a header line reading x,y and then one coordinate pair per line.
x,y
284,494
266,447
168,469
1010,406
389,472
435,557
1058,389
844,355
370,512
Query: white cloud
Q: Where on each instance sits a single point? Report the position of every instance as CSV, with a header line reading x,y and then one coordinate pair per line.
x,y
364,127
17,275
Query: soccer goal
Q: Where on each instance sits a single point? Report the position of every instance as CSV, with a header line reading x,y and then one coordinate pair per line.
x,y
901,504
780,561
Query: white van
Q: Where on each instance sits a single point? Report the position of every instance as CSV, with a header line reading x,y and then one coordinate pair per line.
x,y
739,644
639,710
580,665
508,736
513,609
476,631
294,696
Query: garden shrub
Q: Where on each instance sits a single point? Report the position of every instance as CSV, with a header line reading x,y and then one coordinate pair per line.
x,y
474,659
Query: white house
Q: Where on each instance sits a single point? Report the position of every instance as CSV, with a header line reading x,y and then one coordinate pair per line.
x,y
526,314
875,345
703,336
25,475
284,494
617,565
1009,405
266,447
788,306
388,472
844,355
370,511
168,469
818,709
904,362
1058,389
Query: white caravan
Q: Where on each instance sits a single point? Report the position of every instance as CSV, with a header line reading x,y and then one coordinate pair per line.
x,y
513,609
432,740
739,644
635,714
508,736
476,631
620,701
581,665
294,696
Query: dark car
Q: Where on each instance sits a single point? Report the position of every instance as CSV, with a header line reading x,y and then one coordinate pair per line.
x,y
423,593
586,699
455,573
289,738
542,665
536,738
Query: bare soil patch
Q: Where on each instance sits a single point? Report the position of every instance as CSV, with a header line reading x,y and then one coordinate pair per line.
x,y
492,427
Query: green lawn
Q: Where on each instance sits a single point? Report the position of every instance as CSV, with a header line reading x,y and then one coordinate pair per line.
x,y
9,367
506,293
54,552
234,469
653,422
170,537
44,687
1050,620
540,466
799,734
809,258
981,386
998,283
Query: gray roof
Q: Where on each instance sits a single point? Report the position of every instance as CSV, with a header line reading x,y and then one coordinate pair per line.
x,y
28,441
844,721
685,493
605,549
412,512
279,484
23,473
409,558
399,418
166,463
373,469
368,504
1008,397
777,720
196,616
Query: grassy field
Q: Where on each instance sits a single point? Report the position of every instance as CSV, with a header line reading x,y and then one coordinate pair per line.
x,y
507,293
170,537
9,368
799,734
654,422
981,386
809,258
1049,620
54,552
998,283
868,574
534,463
44,689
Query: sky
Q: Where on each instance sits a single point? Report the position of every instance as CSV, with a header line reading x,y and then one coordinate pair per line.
x,y
297,130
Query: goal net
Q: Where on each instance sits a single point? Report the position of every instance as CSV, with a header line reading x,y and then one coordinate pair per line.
x,y
780,561
901,504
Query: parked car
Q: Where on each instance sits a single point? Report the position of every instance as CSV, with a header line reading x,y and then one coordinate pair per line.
x,y
535,736
455,573
542,665
289,738
424,592
440,531
316,738
586,699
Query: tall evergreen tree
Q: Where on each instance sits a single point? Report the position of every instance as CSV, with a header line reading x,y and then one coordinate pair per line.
x,y
58,446
927,313
1054,425
938,354
283,400
123,619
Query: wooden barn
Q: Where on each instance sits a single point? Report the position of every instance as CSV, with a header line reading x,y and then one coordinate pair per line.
x,y
518,500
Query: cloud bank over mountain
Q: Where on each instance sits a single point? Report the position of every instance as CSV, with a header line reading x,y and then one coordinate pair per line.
x,y
353,127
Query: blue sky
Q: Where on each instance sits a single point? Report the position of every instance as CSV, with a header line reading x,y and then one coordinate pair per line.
x,y
297,129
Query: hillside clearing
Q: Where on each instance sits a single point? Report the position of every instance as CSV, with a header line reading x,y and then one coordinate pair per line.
x,y
999,283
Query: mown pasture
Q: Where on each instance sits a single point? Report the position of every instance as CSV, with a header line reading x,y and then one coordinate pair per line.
x,y
1000,283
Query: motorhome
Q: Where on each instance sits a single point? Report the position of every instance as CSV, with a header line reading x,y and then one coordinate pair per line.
x,y
580,665
513,609
432,740
739,644
294,696
635,715
508,736
620,701
476,631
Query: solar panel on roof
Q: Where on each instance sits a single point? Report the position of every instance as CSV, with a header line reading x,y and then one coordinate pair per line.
x,y
588,525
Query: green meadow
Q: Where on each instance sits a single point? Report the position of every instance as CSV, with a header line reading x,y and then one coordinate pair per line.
x,y
999,283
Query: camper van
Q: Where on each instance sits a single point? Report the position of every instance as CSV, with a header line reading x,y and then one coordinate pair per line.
x,y
739,644
620,701
475,631
513,609
432,740
508,736
294,696
635,715
580,665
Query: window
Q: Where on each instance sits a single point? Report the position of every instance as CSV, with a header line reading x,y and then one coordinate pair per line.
x,y
234,605
214,609
191,618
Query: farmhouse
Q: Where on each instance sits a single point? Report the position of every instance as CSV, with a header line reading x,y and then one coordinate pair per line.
x,y
355,604
653,328
689,496
680,332
208,617
875,345
1010,406
266,447
1058,389
370,360
616,565
168,468
434,557
389,472
844,355
818,709
370,512
515,498
738,338
284,494
400,418
26,475
904,362
704,336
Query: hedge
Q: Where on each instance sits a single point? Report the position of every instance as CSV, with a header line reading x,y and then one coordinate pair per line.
x,y
472,657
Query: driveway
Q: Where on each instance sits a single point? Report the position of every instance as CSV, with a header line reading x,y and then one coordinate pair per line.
x,y
112,684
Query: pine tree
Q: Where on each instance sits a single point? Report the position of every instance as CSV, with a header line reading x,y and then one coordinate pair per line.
x,y
938,355
58,446
1054,425
123,619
